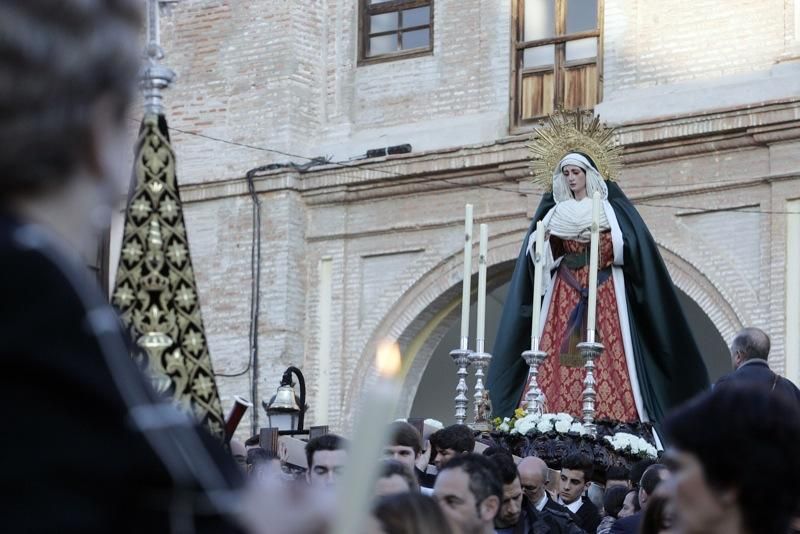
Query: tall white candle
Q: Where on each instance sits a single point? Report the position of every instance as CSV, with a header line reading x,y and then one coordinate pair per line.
x,y
594,248
466,287
538,264
481,327
368,440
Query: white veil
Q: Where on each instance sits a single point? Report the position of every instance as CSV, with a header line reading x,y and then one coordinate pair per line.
x,y
594,181
570,218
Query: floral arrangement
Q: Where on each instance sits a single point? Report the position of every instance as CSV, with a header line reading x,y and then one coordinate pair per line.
x,y
631,444
525,424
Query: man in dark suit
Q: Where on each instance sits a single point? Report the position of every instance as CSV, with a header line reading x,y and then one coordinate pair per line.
x,y
576,474
517,513
533,475
749,354
651,478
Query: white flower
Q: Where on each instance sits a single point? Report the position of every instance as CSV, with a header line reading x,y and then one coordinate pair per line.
x,y
578,428
545,425
561,416
523,426
514,431
503,427
526,424
562,426
434,423
548,417
623,441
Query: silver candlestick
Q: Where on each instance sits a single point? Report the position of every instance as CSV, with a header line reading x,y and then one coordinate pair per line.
x,y
482,406
534,398
590,351
461,358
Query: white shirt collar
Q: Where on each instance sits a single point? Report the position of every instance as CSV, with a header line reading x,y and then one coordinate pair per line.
x,y
574,506
542,502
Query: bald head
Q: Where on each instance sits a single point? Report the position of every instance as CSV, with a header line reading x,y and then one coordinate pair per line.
x,y
749,343
533,477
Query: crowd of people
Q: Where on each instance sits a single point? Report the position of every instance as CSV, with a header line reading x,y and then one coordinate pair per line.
x,y
727,470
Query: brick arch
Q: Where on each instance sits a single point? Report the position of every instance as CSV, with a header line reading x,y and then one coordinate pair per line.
x,y
409,316
434,298
699,288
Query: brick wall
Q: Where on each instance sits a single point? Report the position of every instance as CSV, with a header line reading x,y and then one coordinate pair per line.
x,y
651,42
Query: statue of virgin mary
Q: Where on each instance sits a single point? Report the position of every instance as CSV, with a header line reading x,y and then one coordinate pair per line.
x,y
651,362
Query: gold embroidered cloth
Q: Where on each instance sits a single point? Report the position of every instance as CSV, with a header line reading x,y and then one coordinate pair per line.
x,y
155,289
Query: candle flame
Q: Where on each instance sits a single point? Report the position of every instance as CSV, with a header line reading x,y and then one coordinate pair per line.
x,y
387,359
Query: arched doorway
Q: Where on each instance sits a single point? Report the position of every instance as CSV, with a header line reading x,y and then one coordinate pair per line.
x,y
434,395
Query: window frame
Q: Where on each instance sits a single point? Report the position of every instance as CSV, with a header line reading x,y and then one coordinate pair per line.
x,y
392,6
560,64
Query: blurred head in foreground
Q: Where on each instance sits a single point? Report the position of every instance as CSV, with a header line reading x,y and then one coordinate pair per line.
x,y
395,477
726,445
68,72
408,513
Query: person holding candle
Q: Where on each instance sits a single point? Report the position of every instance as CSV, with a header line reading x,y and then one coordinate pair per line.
x,y
650,362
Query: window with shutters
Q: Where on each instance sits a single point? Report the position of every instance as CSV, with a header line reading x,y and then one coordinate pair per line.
x,y
557,50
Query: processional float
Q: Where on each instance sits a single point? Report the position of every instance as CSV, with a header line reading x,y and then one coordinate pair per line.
x,y
561,133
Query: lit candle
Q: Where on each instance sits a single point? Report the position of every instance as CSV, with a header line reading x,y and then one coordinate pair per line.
x,y
484,239
466,288
593,253
370,437
538,264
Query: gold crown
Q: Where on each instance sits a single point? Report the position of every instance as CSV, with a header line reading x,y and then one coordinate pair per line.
x,y
572,131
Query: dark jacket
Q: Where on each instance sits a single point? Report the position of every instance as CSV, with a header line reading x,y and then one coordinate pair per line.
x,y
534,522
627,525
758,373
588,516
562,514
72,460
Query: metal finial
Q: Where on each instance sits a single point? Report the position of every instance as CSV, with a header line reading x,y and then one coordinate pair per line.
x,y
154,77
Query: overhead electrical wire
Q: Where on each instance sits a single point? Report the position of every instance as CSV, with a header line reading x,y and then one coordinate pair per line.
x,y
348,165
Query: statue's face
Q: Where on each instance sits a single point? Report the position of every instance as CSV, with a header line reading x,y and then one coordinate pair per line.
x,y
576,180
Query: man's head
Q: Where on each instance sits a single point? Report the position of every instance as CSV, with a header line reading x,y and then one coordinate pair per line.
x,y
68,72
533,474
326,456
450,442
252,442
630,505
262,464
749,343
395,477
651,478
469,493
614,500
617,475
511,505
576,473
405,444
637,470
725,444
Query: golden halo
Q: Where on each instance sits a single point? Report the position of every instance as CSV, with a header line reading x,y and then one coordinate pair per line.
x,y
572,131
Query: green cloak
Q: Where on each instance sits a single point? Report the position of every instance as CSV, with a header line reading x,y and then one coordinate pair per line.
x,y
669,367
